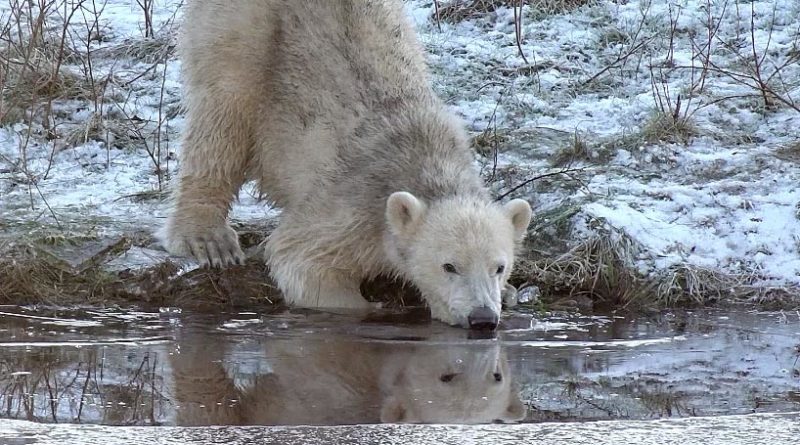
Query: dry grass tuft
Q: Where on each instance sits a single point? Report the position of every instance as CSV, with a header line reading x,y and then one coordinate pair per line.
x,y
31,275
147,50
695,285
790,153
579,149
32,82
604,269
660,128
600,268
455,11
667,128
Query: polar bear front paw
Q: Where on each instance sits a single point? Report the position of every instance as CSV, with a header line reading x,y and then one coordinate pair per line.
x,y
214,246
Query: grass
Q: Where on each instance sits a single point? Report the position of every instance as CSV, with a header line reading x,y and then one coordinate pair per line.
x,y
38,272
789,153
658,129
600,268
454,11
604,270
662,127
31,274
34,77
579,149
146,50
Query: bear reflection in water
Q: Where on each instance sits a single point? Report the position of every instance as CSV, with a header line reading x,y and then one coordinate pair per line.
x,y
346,382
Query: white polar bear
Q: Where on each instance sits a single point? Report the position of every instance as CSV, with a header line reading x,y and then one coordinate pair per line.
x,y
326,105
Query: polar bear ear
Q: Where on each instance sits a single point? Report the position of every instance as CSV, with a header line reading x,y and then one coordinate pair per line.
x,y
403,211
520,213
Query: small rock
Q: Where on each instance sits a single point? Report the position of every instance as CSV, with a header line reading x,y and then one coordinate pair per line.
x,y
529,294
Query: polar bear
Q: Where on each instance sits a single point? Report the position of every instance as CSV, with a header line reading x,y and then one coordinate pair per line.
x,y
319,381
326,105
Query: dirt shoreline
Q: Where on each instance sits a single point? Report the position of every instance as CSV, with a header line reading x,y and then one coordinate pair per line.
x,y
132,269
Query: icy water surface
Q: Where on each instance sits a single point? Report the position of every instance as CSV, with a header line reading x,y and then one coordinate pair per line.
x,y
121,367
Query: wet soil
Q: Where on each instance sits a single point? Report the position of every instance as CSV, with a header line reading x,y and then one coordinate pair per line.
x,y
170,367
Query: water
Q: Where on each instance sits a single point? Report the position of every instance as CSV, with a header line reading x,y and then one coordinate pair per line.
x,y
121,367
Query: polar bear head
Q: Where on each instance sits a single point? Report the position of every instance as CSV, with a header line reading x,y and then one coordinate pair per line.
x,y
457,251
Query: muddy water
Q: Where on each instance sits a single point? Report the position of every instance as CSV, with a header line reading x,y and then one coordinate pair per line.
x,y
125,367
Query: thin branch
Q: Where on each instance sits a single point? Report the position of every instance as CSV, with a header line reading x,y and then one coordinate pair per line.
x,y
536,178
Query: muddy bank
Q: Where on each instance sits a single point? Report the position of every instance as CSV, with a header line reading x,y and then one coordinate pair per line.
x,y
130,267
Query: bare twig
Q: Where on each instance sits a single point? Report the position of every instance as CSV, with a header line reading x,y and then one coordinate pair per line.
x,y
518,29
437,15
513,189
147,11
618,61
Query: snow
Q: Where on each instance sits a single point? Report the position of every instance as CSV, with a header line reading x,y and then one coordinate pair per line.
x,y
714,203
724,201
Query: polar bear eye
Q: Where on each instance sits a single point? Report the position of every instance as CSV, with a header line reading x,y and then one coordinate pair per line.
x,y
449,268
500,269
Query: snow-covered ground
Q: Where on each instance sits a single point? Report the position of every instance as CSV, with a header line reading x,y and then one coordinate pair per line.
x,y
720,192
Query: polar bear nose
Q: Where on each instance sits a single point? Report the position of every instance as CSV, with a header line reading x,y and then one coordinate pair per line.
x,y
483,318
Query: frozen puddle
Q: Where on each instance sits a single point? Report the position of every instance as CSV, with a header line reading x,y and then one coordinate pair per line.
x,y
166,368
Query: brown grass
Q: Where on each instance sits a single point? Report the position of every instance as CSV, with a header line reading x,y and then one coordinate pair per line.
x,y
603,269
600,271
148,50
34,76
659,128
599,268
580,150
789,153
31,275
457,10
666,128
34,52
